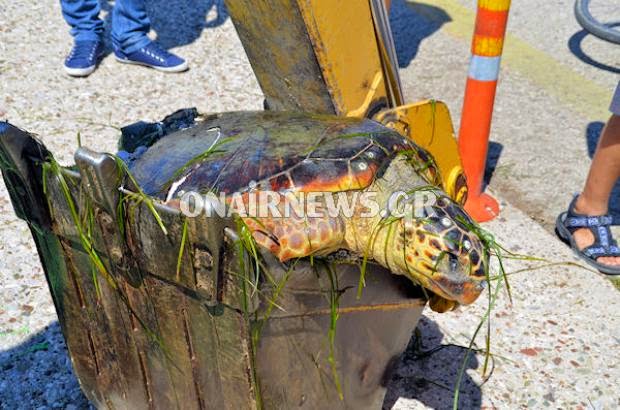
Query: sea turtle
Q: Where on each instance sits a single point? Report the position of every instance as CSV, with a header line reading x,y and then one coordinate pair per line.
x,y
291,155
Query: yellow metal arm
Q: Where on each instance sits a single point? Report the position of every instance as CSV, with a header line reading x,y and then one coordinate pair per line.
x,y
429,125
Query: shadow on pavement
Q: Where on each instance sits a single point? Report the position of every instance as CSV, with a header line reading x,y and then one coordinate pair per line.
x,y
411,23
38,374
493,155
575,46
176,22
181,22
593,134
428,372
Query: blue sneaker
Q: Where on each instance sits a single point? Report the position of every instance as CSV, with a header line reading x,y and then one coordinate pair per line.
x,y
152,55
83,58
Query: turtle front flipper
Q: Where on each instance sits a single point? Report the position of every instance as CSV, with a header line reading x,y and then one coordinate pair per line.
x,y
289,235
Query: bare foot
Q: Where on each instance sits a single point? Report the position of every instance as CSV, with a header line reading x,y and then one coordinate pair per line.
x,y
584,237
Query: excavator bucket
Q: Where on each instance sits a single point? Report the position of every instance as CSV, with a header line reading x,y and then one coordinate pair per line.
x,y
159,311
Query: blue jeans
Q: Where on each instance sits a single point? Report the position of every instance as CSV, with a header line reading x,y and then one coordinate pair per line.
x,y
130,24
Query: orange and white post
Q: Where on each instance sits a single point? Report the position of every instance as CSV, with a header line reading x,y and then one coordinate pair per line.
x,y
478,103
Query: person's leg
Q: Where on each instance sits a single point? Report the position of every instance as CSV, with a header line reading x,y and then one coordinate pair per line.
x,y
86,29
83,17
604,172
603,175
130,25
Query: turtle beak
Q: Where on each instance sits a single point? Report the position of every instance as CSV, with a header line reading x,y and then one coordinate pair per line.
x,y
456,281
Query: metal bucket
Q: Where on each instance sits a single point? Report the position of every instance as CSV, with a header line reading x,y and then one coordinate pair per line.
x,y
149,335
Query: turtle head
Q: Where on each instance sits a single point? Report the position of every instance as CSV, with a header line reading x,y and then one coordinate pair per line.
x,y
439,248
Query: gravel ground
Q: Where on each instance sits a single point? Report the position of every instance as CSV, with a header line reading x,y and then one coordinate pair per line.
x,y
552,346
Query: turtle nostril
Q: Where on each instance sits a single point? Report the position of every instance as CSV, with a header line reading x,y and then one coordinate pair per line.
x,y
481,272
454,262
474,257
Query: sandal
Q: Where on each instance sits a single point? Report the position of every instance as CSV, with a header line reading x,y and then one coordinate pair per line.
x,y
604,244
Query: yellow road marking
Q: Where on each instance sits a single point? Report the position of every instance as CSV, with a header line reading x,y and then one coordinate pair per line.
x,y
571,88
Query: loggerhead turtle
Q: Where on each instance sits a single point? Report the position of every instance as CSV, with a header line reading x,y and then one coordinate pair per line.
x,y
295,154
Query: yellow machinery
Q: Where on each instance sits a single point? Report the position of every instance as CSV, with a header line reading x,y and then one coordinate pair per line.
x,y
338,57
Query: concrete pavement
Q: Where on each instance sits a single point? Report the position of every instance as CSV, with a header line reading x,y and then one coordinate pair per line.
x,y
550,104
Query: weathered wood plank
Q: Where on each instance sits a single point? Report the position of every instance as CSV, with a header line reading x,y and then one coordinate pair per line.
x,y
156,378
108,374
171,331
69,306
202,336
